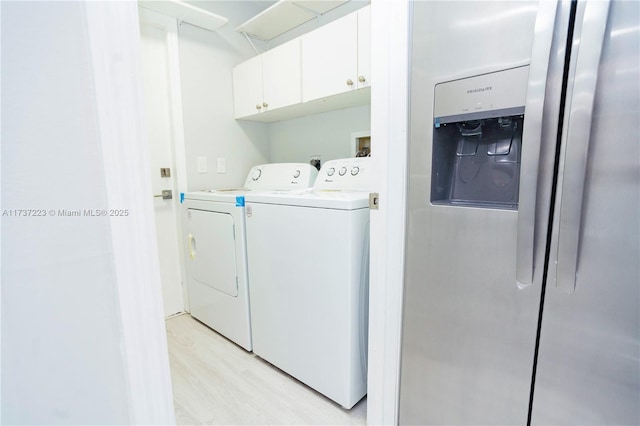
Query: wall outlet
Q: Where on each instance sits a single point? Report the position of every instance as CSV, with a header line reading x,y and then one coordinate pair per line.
x,y
221,165
202,164
315,161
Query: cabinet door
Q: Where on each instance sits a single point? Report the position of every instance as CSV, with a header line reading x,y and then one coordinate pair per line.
x,y
282,76
247,87
329,59
364,47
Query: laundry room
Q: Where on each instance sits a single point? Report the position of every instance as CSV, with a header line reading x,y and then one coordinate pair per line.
x,y
196,80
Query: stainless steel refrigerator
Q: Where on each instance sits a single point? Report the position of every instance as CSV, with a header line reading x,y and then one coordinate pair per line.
x,y
522,276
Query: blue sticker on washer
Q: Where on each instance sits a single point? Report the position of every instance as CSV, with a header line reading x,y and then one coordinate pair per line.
x,y
181,197
240,201
437,122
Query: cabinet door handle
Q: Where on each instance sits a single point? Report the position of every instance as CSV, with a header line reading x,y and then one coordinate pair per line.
x,y
258,107
264,104
361,79
349,82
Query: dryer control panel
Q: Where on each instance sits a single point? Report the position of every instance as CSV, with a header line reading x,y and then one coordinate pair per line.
x,y
347,174
281,176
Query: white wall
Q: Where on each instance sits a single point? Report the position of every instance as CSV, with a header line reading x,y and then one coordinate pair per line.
x,y
327,134
67,338
206,63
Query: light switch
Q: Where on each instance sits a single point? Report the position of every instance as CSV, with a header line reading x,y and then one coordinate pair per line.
x,y
202,164
221,165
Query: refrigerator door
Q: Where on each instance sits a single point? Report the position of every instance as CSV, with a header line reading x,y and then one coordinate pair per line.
x,y
469,331
588,368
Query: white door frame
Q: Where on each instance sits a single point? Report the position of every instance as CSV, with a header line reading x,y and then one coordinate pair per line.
x,y
179,160
114,35
389,127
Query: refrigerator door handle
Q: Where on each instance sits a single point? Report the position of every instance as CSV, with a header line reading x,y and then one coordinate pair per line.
x,y
577,141
532,138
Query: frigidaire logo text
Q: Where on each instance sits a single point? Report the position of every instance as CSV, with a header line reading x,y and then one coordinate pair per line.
x,y
479,89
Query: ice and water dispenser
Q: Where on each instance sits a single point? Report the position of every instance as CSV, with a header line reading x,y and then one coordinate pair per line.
x,y
477,140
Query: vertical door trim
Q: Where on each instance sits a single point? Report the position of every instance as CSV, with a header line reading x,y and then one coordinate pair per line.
x,y
389,127
178,143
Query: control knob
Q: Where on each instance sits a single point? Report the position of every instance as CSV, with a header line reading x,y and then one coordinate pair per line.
x,y
296,174
355,170
256,174
331,171
343,171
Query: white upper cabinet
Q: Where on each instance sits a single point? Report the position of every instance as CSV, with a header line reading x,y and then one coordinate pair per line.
x,y
247,87
330,59
320,71
336,57
268,81
282,76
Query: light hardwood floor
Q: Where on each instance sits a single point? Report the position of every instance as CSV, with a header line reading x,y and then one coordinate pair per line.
x,y
217,382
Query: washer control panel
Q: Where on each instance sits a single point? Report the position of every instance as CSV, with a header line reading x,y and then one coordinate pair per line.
x,y
347,174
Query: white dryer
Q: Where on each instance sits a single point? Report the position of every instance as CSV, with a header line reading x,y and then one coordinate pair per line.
x,y
215,248
309,270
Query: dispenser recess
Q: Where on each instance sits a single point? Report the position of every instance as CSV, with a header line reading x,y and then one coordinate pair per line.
x,y
477,140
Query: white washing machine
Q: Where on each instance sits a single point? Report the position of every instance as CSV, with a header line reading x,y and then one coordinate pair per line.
x,y
309,269
215,248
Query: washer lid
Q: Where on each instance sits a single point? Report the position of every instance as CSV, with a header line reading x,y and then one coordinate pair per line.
x,y
337,200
